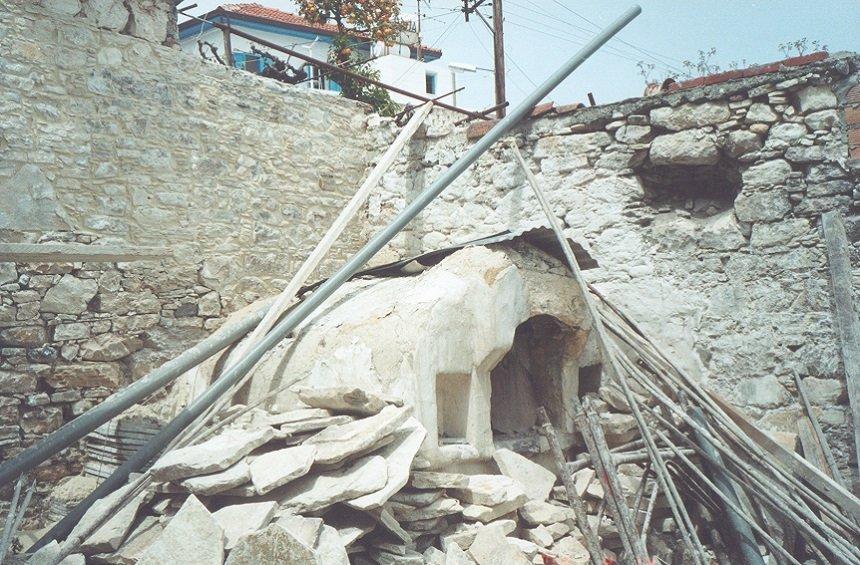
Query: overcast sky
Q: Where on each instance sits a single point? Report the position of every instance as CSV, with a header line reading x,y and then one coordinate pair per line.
x,y
540,35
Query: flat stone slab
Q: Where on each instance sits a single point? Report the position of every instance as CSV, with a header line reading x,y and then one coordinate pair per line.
x,y
238,520
137,542
536,481
277,468
215,454
208,485
488,490
314,424
434,480
299,415
336,443
330,549
271,545
492,548
398,457
417,497
191,537
343,400
441,507
112,533
536,513
310,493
485,514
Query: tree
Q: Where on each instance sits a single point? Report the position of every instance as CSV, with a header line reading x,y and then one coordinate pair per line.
x,y
357,21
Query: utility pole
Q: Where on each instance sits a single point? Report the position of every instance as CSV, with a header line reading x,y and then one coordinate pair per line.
x,y
420,44
499,56
497,29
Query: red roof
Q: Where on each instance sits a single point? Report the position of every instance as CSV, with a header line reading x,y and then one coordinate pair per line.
x,y
274,15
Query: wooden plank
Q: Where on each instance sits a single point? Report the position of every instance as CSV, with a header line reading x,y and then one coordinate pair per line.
x,y
847,324
77,252
810,425
799,466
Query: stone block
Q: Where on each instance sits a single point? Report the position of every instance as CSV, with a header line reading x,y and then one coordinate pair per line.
x,y
343,400
72,330
86,375
824,120
690,115
689,147
109,347
740,142
536,513
780,233
108,14
768,173
816,97
761,113
765,206
69,296
23,336
208,485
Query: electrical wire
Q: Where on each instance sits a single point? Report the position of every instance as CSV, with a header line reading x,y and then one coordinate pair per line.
x,y
438,40
648,52
490,55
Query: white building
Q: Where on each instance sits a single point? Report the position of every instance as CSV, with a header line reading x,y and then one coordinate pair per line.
x,y
398,64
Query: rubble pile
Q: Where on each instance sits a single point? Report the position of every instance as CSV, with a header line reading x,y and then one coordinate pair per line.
x,y
340,481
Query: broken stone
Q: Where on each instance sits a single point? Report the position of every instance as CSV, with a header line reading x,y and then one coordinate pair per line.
x,y
572,549
823,120
536,513
192,535
208,485
436,509
486,514
367,474
584,482
336,443
271,545
464,534
535,480
137,542
618,428
492,548
112,533
69,296
343,400
306,530
434,480
330,549
215,454
489,490
300,415
456,556
398,457
238,520
539,536
276,468
526,547
688,147
633,134
86,375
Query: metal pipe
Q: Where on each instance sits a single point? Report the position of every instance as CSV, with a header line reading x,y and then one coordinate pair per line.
x,y
714,464
301,312
115,404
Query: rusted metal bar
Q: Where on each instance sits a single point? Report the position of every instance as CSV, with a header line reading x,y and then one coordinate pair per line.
x,y
482,113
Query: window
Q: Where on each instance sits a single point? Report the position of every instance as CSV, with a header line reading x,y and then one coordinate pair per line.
x,y
430,83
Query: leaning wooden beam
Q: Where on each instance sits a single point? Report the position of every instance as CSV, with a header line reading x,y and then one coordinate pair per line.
x,y
820,441
76,252
847,324
591,540
679,512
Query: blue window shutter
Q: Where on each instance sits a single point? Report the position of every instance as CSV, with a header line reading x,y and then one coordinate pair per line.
x,y
239,60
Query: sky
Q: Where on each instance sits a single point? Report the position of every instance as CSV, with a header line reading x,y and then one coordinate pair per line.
x,y
541,34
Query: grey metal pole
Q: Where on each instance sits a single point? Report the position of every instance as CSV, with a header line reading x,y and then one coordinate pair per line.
x,y
115,404
714,463
311,303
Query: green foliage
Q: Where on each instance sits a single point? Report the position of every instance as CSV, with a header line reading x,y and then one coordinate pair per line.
x,y
343,56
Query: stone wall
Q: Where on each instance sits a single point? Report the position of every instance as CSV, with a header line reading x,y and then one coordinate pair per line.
x,y
702,208
109,136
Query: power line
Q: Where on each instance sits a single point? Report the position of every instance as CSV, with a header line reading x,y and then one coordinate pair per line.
x,y
567,39
642,50
435,42
487,51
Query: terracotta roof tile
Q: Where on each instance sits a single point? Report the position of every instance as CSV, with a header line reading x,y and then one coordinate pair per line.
x,y
254,10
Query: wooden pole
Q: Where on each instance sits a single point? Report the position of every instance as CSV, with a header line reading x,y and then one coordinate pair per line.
x,y
228,45
829,462
847,324
499,56
592,542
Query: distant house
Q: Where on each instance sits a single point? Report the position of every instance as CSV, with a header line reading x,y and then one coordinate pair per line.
x,y
398,64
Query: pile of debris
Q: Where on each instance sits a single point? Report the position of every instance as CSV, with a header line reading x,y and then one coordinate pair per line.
x,y
339,482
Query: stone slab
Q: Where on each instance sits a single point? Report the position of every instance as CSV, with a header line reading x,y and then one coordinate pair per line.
x,y
276,468
238,520
535,480
215,454
192,537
